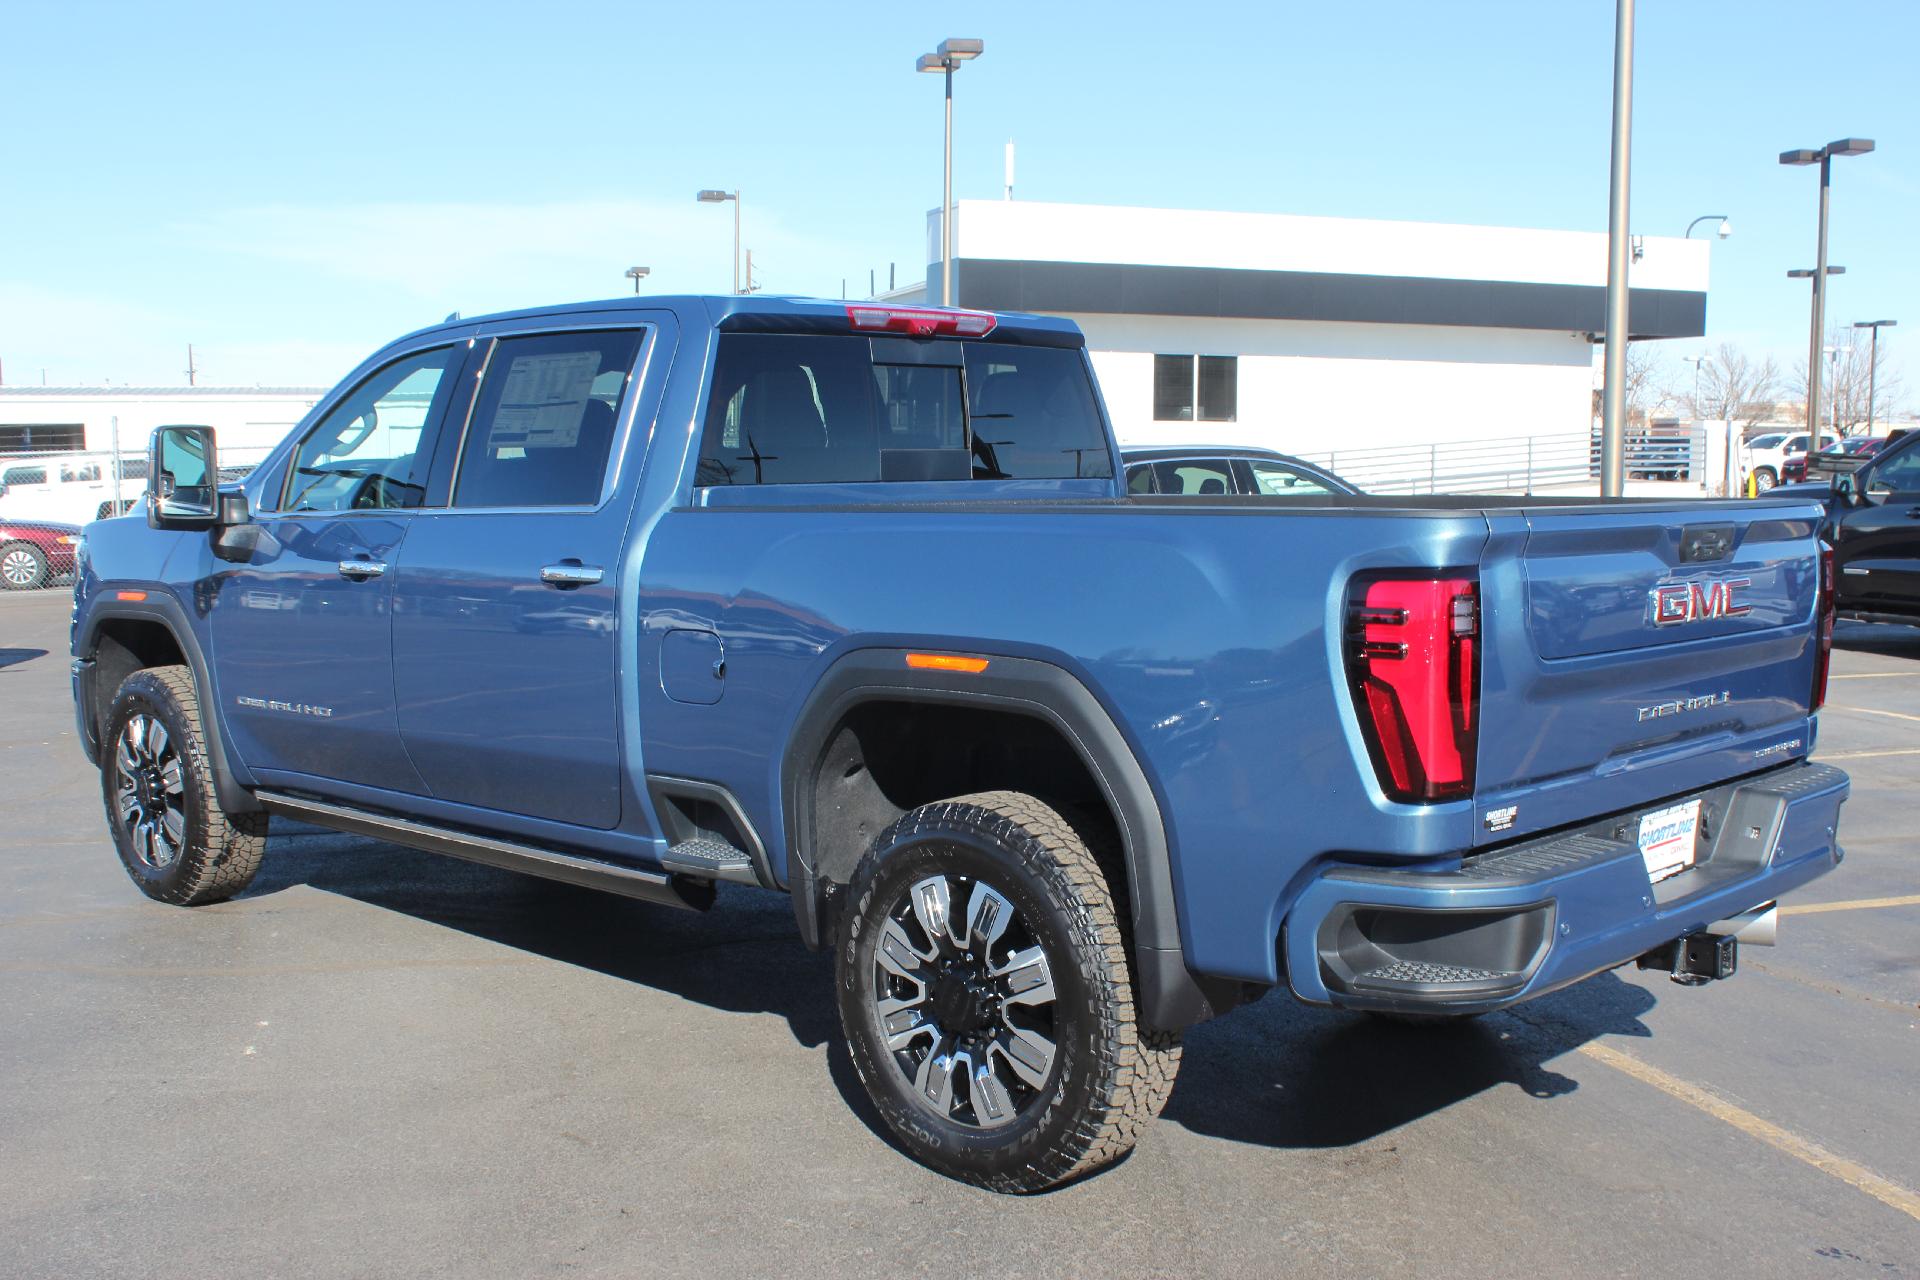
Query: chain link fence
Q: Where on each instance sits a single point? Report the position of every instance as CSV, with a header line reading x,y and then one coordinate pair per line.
x,y
46,499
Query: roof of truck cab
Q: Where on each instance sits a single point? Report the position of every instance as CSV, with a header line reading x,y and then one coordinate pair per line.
x,y
767,310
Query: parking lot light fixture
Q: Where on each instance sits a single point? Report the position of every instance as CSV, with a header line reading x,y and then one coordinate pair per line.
x,y
711,196
1724,230
945,60
637,274
1824,157
1873,361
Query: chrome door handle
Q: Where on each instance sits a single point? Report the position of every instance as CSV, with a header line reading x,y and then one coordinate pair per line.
x,y
362,569
572,575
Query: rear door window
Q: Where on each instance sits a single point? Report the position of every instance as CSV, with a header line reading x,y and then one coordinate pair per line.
x,y
1276,479
1195,477
808,409
542,427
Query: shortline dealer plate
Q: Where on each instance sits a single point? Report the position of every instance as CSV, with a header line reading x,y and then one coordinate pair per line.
x,y
1669,839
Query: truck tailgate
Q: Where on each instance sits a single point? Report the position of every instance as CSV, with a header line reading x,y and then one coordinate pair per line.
x,y
1634,652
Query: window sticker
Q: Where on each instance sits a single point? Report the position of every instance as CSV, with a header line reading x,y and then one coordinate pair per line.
x,y
543,401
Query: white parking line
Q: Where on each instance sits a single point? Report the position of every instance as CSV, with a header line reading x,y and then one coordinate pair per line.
x,y
1872,711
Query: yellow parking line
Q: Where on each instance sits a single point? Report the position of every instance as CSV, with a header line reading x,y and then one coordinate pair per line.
x,y
1876,675
1854,1175
1858,904
1871,711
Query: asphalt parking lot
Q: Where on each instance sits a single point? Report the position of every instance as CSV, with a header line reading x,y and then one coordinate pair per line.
x,y
381,1063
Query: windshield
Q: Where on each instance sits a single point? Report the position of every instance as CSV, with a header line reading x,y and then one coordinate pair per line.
x,y
1765,442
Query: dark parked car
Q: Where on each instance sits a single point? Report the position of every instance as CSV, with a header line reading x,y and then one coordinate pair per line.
x,y
1794,469
1204,470
1873,525
33,554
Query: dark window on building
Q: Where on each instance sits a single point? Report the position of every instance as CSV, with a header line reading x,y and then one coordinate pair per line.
x,y
1182,383
1173,388
793,409
43,437
542,427
1219,388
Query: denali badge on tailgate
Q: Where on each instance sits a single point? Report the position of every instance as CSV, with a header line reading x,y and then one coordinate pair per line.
x,y
1698,600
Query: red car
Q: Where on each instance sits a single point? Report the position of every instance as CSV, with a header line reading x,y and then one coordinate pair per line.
x,y
1795,468
33,553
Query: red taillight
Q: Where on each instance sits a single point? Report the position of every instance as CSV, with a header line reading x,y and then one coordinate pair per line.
x,y
921,322
1416,683
1823,624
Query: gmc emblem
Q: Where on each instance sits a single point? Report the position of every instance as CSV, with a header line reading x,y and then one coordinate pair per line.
x,y
1675,602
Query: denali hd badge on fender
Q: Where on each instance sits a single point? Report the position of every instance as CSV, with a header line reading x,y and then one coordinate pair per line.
x,y
1698,600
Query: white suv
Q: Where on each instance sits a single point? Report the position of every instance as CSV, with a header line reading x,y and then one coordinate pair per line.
x,y
1763,456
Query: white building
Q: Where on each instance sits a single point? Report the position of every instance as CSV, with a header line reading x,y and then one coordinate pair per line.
x,y
1309,334
250,420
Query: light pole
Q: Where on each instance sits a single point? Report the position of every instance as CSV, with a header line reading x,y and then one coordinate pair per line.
x,y
947,59
721,197
1696,362
637,274
1873,361
1613,402
1726,225
1824,156
1833,402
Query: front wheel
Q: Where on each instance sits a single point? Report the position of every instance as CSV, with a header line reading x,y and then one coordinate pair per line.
x,y
174,839
1763,480
986,997
23,566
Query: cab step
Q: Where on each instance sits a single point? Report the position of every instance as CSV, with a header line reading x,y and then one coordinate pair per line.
x,y
710,859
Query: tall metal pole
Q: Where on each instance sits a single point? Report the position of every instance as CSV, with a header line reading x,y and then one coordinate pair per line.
x,y
1614,399
946,204
1873,373
1819,305
736,242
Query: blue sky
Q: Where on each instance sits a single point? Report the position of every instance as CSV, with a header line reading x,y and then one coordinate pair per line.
x,y
287,186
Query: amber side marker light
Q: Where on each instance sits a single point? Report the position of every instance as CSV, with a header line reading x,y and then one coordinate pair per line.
x,y
129,595
946,662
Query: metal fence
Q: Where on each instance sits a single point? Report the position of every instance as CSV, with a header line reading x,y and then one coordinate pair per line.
x,y
1516,464
47,498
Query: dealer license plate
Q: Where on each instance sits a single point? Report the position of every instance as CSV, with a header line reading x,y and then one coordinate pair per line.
x,y
1668,838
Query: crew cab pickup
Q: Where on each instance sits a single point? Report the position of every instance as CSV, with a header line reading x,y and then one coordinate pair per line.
x,y
850,602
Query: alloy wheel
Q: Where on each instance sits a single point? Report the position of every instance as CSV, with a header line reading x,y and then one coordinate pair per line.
x,y
964,995
150,791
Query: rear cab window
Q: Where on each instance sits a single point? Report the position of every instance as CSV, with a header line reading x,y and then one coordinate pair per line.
x,y
857,409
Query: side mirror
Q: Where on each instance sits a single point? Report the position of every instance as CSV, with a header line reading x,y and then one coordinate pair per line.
x,y
183,486
1844,488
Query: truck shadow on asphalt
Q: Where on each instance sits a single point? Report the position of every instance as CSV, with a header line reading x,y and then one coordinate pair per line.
x,y
14,657
1276,1073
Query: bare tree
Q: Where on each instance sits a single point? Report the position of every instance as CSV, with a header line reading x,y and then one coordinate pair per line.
x,y
1733,387
1846,379
1646,376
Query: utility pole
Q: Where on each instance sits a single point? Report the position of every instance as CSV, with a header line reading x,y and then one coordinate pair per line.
x,y
1873,362
1613,410
193,371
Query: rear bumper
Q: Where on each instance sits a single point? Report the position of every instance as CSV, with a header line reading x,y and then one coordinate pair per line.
x,y
1523,920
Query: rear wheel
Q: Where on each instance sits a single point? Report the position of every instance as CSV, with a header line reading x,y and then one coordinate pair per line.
x,y
172,836
23,566
986,996
1763,480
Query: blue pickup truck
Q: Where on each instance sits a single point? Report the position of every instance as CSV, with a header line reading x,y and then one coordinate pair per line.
x,y
850,602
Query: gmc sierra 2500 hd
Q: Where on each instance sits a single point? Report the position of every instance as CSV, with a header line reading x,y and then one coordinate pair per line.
x,y
849,601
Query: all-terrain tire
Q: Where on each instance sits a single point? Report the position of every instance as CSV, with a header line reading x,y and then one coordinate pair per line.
x,y
1108,1077
23,566
216,853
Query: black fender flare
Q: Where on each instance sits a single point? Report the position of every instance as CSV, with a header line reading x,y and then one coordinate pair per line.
x,y
158,605
1170,995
